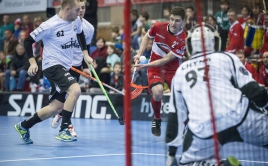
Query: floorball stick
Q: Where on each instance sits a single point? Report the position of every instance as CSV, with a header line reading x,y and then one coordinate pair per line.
x,y
120,119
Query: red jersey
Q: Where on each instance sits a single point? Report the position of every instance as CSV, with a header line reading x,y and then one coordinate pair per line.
x,y
243,21
235,37
165,42
264,47
253,71
263,76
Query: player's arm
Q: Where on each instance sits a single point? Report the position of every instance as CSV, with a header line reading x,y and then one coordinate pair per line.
x,y
144,43
29,52
160,62
82,42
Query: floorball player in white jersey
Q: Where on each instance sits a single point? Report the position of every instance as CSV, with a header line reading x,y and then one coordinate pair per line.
x,y
238,103
60,35
78,61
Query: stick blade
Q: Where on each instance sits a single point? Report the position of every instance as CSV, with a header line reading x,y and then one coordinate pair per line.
x,y
121,120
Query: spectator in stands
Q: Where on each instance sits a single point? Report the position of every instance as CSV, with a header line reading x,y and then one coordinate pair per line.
x,y
211,21
152,22
121,32
116,38
148,50
92,18
136,29
27,24
221,16
166,13
112,57
241,55
258,16
10,44
116,77
17,28
100,67
3,65
246,16
101,50
264,47
222,20
235,34
190,20
18,69
22,36
263,73
144,18
7,25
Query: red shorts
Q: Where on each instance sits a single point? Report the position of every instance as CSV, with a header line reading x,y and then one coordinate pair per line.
x,y
160,75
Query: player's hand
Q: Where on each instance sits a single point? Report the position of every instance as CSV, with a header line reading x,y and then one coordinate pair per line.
x,y
32,70
139,66
88,60
87,71
137,58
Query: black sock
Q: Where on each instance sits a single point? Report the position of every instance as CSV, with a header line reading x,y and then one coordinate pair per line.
x,y
66,119
172,150
32,120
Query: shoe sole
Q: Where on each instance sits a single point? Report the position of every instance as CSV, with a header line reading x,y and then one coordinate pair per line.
x,y
21,135
65,140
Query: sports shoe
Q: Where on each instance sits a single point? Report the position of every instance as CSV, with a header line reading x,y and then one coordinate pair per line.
x,y
156,127
65,136
56,121
71,130
24,133
171,161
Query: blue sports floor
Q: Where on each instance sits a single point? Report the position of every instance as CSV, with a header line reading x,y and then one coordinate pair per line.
x,y
100,143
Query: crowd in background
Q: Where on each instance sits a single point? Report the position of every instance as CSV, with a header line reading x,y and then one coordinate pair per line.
x,y
243,33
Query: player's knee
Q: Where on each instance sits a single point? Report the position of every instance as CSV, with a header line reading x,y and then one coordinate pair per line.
x,y
75,90
158,96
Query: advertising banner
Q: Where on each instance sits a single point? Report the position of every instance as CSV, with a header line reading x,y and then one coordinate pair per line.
x,y
22,6
87,106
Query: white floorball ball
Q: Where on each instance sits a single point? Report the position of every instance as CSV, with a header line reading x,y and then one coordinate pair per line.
x,y
142,58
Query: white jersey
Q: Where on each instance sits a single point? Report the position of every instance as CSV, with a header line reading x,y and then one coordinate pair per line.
x,y
189,95
88,32
59,38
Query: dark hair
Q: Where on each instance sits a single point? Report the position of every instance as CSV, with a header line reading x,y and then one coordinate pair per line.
x,y
145,15
100,38
225,2
115,29
257,5
246,7
179,11
134,12
212,17
190,7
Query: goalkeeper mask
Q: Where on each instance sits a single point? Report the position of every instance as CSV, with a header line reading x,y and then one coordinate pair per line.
x,y
212,40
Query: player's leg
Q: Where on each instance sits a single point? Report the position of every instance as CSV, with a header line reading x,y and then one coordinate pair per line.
x,y
254,128
57,118
23,127
155,82
197,151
